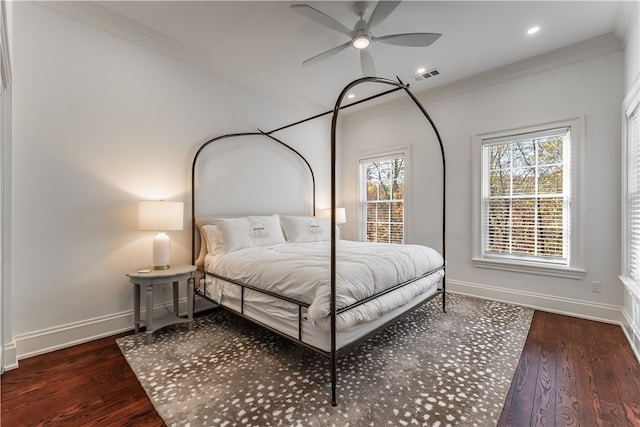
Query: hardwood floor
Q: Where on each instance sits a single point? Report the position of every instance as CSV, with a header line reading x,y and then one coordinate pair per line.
x,y
572,372
86,385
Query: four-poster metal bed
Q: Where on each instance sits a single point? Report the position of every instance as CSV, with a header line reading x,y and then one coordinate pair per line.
x,y
335,349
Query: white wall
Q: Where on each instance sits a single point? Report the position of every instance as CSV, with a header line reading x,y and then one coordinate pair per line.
x,y
631,306
593,88
98,124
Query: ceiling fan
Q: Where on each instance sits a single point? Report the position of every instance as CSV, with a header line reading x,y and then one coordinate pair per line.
x,y
360,35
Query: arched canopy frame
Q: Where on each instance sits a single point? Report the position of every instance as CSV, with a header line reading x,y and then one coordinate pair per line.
x,y
239,135
397,86
334,126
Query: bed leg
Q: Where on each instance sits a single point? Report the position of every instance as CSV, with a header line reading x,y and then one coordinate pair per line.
x,y
334,380
444,306
444,292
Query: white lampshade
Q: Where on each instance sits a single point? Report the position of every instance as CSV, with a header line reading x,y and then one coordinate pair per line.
x,y
341,215
160,216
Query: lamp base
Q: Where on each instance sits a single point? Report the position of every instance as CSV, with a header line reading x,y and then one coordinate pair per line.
x,y
161,251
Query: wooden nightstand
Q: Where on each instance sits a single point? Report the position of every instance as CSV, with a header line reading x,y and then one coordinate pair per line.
x,y
148,279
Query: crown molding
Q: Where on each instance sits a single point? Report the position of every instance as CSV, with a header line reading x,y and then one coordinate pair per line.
x,y
567,55
627,15
98,16
101,17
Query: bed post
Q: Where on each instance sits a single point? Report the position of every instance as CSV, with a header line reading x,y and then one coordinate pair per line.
x,y
334,121
334,355
193,184
444,186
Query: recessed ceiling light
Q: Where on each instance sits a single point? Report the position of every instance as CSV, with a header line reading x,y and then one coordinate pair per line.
x,y
351,96
533,30
421,70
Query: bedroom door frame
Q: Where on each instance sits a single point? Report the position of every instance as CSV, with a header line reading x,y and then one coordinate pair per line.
x,y
2,223
6,329
5,225
7,346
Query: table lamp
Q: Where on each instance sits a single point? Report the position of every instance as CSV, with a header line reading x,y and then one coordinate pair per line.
x,y
161,216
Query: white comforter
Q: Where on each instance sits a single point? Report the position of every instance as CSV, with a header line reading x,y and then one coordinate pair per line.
x,y
302,271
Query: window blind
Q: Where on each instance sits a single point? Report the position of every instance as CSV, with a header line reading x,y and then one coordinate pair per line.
x,y
526,196
633,194
382,185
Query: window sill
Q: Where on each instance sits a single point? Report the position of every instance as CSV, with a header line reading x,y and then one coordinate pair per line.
x,y
530,268
631,285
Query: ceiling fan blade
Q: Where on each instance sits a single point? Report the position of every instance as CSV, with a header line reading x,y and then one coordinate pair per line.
x,y
408,39
321,18
380,13
326,54
366,61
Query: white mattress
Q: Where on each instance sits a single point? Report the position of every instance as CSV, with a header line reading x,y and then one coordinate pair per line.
x,y
283,316
301,272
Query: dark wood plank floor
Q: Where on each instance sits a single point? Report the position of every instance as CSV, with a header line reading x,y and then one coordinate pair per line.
x,y
572,372
86,385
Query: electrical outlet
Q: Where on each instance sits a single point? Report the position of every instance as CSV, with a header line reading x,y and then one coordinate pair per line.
x,y
596,286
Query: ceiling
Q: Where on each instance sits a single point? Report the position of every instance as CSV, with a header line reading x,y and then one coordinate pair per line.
x,y
262,44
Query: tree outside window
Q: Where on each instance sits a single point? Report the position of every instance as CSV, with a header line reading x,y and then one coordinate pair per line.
x,y
527,195
382,187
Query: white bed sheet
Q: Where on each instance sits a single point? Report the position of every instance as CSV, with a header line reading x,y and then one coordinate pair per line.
x,y
283,316
301,271
385,265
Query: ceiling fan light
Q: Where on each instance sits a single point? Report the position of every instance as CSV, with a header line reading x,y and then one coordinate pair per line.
x,y
360,42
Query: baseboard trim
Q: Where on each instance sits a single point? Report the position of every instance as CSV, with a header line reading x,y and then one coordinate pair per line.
x,y
9,356
632,334
570,307
56,338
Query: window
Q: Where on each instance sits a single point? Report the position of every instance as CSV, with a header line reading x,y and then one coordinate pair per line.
x,y
382,198
631,188
525,195
525,199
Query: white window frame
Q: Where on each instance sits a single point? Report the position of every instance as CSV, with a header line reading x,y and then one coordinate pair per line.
x,y
630,105
369,156
575,269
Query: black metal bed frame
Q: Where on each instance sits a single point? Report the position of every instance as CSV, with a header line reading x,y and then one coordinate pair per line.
x,y
335,352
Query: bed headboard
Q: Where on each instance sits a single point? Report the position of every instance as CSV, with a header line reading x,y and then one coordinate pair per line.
x,y
223,179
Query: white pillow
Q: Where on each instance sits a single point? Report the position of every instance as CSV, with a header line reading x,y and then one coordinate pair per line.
x,y
304,229
250,232
201,222
212,238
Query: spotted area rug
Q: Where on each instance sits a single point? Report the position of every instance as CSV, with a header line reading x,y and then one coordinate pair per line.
x,y
430,369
